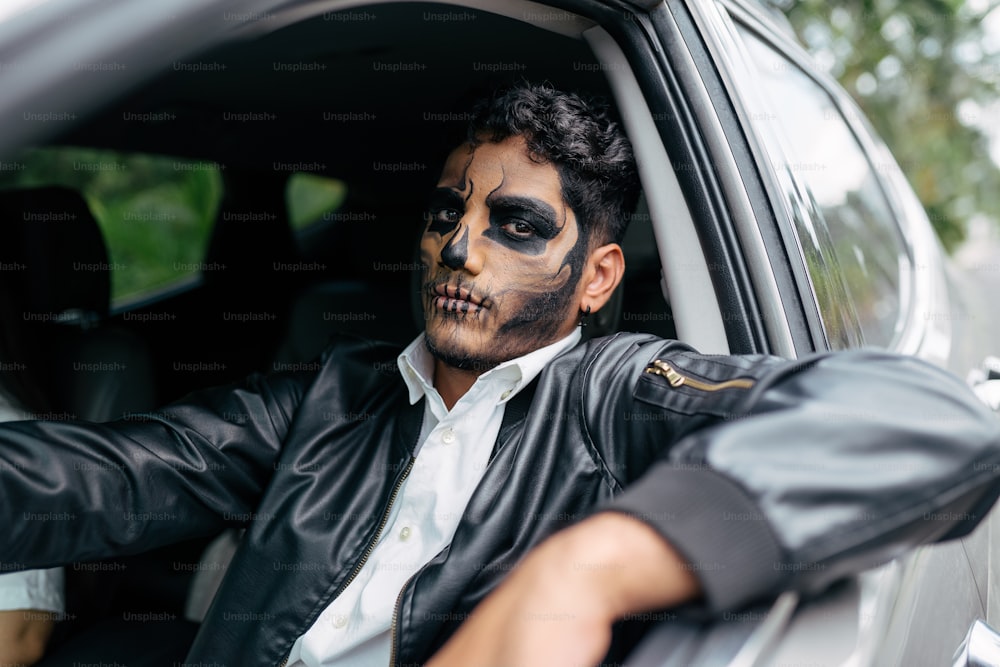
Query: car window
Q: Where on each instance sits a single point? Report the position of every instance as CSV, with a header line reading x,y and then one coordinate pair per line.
x,y
856,256
313,200
155,212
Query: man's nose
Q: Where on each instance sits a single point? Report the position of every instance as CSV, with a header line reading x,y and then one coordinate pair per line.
x,y
462,249
456,251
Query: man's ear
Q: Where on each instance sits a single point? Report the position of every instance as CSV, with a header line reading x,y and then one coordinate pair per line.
x,y
604,270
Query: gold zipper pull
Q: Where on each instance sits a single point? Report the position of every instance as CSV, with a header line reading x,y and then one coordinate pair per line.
x,y
662,368
676,379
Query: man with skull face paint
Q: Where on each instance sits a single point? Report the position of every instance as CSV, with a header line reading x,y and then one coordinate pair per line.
x,y
505,256
511,269
519,491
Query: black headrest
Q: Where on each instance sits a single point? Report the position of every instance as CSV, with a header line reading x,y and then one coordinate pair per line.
x,y
54,254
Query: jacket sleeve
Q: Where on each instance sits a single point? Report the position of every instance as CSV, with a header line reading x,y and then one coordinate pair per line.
x,y
73,491
774,475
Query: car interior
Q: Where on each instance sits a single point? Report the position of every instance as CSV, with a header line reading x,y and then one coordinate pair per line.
x,y
365,102
231,212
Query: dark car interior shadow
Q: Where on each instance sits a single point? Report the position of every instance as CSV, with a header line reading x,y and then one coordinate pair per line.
x,y
380,111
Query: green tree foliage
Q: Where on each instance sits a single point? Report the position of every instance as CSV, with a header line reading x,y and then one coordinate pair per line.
x,y
156,212
927,74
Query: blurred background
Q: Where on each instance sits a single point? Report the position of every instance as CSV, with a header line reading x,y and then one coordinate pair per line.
x,y
927,74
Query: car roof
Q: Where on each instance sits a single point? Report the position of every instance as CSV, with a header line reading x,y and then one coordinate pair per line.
x,y
408,82
338,96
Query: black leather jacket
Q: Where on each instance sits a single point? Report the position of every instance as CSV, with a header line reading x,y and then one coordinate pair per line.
x,y
765,474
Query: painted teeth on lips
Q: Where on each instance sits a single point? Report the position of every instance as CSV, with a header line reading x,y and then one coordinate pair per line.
x,y
456,299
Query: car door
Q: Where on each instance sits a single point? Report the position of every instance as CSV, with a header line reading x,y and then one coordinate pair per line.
x,y
869,272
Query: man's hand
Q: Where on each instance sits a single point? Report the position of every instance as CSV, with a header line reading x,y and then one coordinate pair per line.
x,y
23,635
557,607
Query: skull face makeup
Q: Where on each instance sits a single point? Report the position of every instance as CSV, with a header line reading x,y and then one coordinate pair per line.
x,y
503,255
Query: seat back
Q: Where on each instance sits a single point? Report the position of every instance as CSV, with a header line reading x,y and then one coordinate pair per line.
x,y
365,286
85,367
61,289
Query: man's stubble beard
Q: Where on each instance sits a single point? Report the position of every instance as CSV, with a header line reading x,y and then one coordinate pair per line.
x,y
534,325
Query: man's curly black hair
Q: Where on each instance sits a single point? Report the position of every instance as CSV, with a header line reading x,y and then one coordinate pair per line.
x,y
589,150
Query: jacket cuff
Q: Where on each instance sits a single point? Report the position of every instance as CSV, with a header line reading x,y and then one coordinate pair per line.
x,y
724,537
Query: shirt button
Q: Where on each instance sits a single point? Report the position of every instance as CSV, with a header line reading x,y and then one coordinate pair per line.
x,y
404,534
339,621
448,437
503,396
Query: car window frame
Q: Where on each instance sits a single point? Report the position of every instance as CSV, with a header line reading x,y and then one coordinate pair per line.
x,y
699,52
822,233
927,293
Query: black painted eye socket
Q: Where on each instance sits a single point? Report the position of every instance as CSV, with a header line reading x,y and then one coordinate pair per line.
x,y
445,215
519,229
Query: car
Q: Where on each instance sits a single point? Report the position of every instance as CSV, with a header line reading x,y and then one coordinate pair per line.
x,y
199,189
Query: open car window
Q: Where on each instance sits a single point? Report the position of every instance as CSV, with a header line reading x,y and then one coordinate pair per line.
x,y
155,212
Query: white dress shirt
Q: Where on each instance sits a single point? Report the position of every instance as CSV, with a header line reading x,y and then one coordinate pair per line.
x,y
28,589
454,448
32,589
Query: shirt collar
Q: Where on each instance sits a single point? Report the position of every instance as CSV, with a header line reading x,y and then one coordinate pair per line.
x,y
416,365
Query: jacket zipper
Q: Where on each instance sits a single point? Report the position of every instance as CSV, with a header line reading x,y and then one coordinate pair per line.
x,y
395,615
395,611
371,545
676,379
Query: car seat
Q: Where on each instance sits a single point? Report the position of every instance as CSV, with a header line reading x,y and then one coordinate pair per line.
x,y
80,366
86,368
